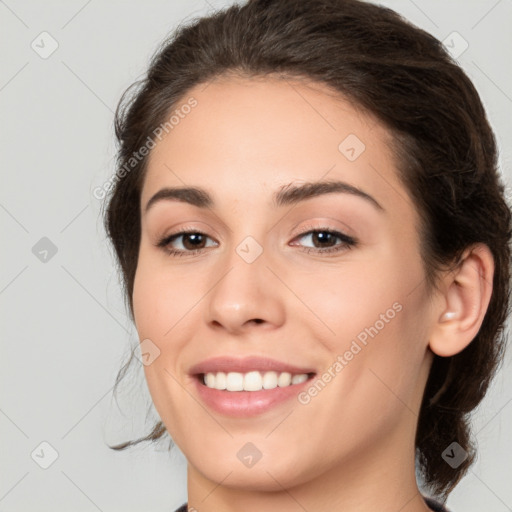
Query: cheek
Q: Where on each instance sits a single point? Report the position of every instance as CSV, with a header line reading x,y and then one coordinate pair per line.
x,y
147,292
350,300
374,314
164,312
161,298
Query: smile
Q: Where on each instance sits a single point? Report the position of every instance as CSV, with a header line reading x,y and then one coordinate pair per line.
x,y
252,381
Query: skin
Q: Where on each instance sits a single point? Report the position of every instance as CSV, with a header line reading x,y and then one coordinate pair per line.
x,y
352,446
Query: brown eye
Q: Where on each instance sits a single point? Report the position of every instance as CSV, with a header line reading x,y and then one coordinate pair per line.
x,y
184,242
324,240
193,241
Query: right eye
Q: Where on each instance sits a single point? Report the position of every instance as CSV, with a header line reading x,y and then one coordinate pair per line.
x,y
192,242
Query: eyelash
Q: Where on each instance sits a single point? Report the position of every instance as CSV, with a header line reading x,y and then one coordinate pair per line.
x,y
347,242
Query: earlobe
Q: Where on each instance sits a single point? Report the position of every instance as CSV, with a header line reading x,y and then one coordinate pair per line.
x,y
466,296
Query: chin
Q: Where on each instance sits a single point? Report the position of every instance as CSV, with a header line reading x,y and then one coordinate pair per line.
x,y
273,474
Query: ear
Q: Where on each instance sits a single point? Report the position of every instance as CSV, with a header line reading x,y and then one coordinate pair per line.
x,y
466,294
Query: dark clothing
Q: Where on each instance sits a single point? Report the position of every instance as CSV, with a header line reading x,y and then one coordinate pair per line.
x,y
434,505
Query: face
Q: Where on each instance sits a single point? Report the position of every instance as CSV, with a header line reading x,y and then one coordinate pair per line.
x,y
294,264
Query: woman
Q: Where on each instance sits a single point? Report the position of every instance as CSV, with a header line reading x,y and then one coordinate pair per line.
x,y
315,248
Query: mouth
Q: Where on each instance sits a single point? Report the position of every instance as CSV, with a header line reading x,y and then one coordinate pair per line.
x,y
252,381
245,395
248,387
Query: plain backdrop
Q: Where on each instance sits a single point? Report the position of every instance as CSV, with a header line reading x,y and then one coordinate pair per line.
x,y
65,332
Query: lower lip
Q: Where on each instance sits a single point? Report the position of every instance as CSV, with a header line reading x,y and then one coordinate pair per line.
x,y
247,403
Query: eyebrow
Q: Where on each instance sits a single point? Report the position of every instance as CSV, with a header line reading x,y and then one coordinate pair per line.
x,y
290,194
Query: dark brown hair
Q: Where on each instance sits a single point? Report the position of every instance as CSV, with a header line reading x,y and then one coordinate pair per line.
x,y
445,154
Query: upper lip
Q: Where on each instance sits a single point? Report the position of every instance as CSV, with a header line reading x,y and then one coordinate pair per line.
x,y
253,363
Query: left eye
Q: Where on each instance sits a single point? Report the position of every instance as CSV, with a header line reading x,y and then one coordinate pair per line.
x,y
325,239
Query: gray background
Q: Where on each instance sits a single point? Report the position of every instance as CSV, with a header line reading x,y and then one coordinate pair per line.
x,y
65,332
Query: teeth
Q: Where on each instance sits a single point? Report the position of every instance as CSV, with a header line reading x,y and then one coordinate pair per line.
x,y
299,379
285,379
252,381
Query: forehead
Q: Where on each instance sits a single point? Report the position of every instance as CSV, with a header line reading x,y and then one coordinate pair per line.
x,y
247,136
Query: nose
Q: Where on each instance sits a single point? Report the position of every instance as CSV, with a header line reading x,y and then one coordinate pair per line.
x,y
244,295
